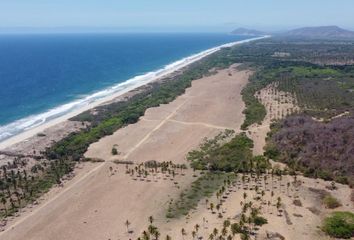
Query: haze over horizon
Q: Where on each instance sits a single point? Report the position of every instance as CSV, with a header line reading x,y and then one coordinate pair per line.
x,y
162,16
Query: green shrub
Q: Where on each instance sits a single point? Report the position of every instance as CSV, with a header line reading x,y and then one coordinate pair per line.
x,y
259,221
339,225
202,188
331,202
114,151
235,155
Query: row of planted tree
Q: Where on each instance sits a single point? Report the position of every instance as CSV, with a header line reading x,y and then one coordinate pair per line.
x,y
261,194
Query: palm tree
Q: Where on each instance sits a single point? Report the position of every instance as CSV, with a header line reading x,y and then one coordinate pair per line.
x,y
287,188
218,195
183,232
146,236
271,196
127,224
280,180
211,236
235,229
265,181
196,227
218,207
269,203
245,236
156,234
279,205
152,229
4,201
194,234
151,220
215,232
224,231
226,223
12,202
211,207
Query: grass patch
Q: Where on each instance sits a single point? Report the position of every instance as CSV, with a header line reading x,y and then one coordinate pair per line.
x,y
331,202
255,111
203,187
339,225
235,155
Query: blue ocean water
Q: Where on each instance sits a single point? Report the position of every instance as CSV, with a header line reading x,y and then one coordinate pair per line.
x,y
41,72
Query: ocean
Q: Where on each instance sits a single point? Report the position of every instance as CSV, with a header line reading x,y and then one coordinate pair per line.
x,y
45,76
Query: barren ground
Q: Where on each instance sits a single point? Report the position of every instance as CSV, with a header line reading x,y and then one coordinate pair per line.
x,y
95,204
102,196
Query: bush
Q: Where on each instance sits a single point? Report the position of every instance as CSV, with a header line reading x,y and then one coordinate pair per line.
x,y
114,151
331,202
259,221
235,155
339,225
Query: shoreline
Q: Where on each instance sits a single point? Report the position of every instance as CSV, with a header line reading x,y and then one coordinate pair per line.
x,y
137,143
111,94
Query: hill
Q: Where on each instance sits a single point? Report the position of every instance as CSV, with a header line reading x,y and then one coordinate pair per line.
x,y
322,32
247,32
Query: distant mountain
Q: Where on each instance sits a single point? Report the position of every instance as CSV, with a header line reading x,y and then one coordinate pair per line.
x,y
247,32
323,32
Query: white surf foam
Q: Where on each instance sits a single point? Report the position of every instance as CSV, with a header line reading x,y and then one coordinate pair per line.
x,y
30,122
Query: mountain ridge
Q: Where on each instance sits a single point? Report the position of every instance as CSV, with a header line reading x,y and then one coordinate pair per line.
x,y
247,32
333,32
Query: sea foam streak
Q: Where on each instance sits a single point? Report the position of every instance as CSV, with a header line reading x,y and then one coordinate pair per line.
x,y
30,122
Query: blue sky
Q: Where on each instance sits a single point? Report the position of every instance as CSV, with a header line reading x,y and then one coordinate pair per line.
x,y
178,15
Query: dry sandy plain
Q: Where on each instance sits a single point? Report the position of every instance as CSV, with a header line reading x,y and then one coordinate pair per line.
x,y
95,204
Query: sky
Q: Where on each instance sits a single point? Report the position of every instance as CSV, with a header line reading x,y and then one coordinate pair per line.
x,y
173,15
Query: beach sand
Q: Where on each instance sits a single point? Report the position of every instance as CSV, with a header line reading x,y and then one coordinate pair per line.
x,y
119,95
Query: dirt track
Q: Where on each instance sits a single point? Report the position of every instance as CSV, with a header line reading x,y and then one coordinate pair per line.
x,y
95,204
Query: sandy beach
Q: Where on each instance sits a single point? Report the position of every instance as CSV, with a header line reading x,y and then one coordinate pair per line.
x,y
127,91
102,196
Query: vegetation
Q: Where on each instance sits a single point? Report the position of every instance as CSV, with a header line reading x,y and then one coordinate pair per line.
x,y
255,111
339,225
331,202
319,75
18,188
321,90
233,156
105,121
318,149
114,151
259,220
203,187
223,157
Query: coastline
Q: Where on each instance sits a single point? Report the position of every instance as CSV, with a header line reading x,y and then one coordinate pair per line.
x,y
112,94
167,121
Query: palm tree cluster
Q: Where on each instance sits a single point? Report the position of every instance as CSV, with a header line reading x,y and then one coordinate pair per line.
x,y
255,187
152,168
152,232
18,186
